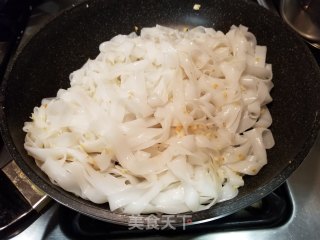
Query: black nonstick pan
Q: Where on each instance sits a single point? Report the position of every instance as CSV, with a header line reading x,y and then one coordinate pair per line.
x,y
64,45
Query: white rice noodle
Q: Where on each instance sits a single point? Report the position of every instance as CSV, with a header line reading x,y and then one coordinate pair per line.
x,y
168,121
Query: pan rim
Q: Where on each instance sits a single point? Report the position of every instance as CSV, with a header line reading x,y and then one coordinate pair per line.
x,y
62,197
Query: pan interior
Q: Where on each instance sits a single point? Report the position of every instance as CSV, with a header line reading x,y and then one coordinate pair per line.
x,y
65,44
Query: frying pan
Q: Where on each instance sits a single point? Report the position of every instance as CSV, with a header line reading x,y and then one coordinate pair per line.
x,y
65,43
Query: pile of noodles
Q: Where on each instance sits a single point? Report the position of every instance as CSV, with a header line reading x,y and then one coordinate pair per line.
x,y
169,121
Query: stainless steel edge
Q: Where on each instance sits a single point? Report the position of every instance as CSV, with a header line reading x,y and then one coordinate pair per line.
x,y
34,196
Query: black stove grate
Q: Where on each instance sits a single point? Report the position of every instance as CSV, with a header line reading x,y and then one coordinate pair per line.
x,y
272,211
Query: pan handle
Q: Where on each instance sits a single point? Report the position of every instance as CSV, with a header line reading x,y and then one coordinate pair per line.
x,y
20,201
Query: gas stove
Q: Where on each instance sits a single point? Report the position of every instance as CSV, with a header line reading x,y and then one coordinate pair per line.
x,y
290,212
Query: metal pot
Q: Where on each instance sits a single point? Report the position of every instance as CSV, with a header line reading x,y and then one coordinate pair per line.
x,y
64,44
303,16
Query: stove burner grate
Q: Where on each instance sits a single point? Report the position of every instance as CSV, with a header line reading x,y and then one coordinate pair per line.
x,y
272,211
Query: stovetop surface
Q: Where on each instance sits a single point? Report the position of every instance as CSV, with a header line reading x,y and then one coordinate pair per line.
x,y
298,200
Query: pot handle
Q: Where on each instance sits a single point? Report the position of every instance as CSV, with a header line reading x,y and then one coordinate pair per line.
x,y
20,201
